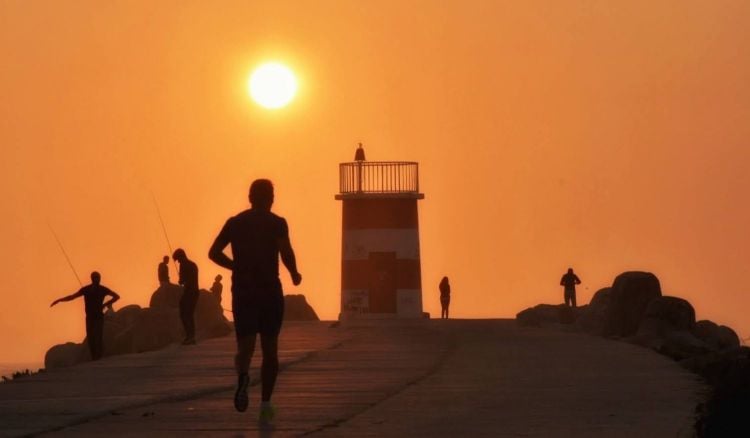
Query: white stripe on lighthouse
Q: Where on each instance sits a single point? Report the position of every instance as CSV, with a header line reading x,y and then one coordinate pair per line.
x,y
358,244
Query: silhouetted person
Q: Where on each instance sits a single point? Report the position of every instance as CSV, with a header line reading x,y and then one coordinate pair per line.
x,y
217,288
189,281
569,280
445,297
93,298
257,237
164,271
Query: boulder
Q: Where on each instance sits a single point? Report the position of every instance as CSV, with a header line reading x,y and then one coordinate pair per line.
x,y
680,345
548,314
718,336
156,328
166,296
209,317
631,293
125,316
666,314
64,355
724,414
592,318
296,308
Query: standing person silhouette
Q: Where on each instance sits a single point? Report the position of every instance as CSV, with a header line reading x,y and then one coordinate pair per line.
x,y
163,271
93,298
569,280
445,297
257,237
217,288
189,281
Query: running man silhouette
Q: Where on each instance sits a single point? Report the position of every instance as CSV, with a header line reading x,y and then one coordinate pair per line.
x,y
93,298
217,288
163,271
445,297
569,280
189,281
257,237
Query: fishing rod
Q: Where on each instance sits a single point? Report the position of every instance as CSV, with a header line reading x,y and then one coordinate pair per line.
x,y
62,248
164,229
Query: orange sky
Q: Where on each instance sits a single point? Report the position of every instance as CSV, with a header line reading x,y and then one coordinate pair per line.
x,y
606,136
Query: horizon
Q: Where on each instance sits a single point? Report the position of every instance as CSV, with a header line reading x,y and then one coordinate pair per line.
x,y
605,137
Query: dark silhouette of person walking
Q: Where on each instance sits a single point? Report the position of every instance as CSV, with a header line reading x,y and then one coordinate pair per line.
x,y
257,238
164,271
93,298
217,288
189,281
445,297
569,280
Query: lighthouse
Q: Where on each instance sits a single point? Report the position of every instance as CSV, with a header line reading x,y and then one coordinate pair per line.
x,y
380,260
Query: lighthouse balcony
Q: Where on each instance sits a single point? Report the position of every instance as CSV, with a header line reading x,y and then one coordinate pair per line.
x,y
379,179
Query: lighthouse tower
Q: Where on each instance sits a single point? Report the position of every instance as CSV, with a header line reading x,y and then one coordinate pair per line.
x,y
380,267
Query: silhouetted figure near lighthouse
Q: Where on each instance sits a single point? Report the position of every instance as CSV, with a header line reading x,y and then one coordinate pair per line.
x,y
163,271
257,237
93,297
569,280
189,281
217,288
445,297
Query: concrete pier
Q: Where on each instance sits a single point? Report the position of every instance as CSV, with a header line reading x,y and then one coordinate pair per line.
x,y
372,378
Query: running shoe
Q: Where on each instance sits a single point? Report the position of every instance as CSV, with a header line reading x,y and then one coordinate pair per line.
x,y
267,414
241,400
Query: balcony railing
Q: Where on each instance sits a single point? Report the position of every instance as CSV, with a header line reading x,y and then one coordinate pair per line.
x,y
379,177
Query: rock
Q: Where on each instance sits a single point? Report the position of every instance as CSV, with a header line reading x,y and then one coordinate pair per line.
x,y
680,345
156,328
592,318
209,317
719,337
725,412
548,314
64,355
666,314
296,308
631,293
714,366
167,296
125,316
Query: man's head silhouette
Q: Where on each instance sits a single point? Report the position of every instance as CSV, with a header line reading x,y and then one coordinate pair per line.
x,y
166,259
570,270
218,278
179,255
96,278
261,194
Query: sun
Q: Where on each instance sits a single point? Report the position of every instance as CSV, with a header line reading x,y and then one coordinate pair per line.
x,y
272,85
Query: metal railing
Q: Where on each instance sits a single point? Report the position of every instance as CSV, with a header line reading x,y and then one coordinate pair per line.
x,y
379,177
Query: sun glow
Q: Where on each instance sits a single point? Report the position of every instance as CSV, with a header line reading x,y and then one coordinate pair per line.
x,y
272,85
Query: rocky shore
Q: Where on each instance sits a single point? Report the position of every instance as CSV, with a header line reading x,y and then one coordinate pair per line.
x,y
133,329
634,310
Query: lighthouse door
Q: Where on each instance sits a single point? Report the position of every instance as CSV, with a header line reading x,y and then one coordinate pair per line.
x,y
383,282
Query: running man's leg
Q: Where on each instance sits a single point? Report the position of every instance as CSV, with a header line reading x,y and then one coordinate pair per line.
x,y
245,350
270,366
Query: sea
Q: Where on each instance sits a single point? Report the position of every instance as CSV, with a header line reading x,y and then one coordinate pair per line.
x,y
8,368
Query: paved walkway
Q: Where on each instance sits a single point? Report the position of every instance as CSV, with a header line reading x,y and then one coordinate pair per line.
x,y
375,378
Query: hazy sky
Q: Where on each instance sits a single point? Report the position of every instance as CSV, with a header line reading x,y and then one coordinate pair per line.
x,y
607,136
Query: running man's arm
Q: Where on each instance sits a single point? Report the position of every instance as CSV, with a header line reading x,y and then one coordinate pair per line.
x,y
216,253
578,280
287,253
289,260
68,298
